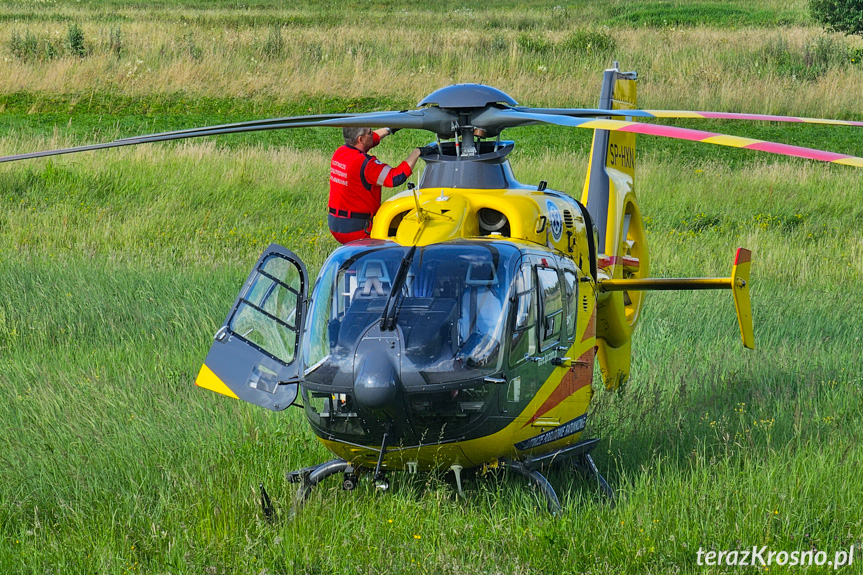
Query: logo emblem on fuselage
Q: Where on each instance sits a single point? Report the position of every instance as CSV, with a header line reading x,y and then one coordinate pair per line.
x,y
555,220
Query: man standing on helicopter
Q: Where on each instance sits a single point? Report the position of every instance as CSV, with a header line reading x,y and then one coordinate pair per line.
x,y
355,182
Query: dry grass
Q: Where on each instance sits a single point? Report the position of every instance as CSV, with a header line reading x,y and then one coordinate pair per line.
x,y
681,68
117,268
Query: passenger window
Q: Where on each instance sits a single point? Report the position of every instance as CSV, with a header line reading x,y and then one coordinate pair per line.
x,y
570,283
524,320
552,306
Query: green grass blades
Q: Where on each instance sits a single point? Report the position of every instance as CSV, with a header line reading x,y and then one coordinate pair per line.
x,y
117,268
116,462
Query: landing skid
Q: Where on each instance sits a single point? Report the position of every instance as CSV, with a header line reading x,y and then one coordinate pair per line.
x,y
582,461
579,454
309,477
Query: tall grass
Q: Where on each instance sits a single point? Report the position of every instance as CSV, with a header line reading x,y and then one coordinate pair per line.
x,y
280,54
116,268
115,462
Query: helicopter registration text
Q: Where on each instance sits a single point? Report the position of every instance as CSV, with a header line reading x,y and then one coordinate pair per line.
x,y
621,156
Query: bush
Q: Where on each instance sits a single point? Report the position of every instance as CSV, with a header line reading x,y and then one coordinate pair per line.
x,y
590,41
75,41
839,15
115,41
30,47
812,61
535,43
825,52
274,45
190,47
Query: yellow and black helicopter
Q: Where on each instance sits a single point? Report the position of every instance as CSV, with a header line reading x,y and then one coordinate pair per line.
x,y
465,331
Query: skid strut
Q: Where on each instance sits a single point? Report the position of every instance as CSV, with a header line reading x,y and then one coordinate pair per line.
x,y
539,480
531,469
267,504
592,470
580,452
311,476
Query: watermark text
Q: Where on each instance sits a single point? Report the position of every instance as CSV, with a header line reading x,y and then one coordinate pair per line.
x,y
762,557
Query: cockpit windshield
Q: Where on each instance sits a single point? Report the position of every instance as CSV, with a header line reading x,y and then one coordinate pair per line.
x,y
450,310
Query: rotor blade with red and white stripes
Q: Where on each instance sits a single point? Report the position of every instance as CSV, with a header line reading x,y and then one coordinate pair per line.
x,y
497,119
682,114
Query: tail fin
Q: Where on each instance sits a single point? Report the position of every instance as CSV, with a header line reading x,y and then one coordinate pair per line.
x,y
610,199
740,290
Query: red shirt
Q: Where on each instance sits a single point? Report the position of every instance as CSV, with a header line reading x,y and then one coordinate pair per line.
x,y
356,179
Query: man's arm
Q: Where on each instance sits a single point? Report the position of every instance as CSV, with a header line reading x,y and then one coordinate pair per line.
x,y
391,177
383,133
412,158
378,135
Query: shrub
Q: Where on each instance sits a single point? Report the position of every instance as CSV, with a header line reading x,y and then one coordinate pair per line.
x,y
533,43
815,58
75,41
590,41
191,47
23,47
824,52
30,47
115,41
839,15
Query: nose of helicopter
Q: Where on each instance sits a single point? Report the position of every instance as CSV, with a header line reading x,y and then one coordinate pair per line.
x,y
377,384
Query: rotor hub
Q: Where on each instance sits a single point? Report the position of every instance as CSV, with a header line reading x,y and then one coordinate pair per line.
x,y
467,96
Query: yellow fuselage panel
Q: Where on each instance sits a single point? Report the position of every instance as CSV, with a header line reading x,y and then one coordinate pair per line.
x,y
547,219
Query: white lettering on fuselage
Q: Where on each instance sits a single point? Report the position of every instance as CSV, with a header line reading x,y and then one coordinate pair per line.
x,y
545,358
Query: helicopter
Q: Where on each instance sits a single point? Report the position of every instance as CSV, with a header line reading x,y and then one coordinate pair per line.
x,y
465,332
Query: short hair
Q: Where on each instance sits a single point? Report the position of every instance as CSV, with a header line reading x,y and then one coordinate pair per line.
x,y
351,134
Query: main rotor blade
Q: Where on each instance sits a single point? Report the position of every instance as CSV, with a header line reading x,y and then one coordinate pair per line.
x,y
250,124
680,114
433,119
495,120
409,119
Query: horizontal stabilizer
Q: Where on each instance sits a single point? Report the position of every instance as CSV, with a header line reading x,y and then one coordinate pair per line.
x,y
738,283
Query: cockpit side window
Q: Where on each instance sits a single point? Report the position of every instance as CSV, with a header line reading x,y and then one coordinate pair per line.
x,y
481,300
320,313
481,316
570,283
266,314
524,316
552,306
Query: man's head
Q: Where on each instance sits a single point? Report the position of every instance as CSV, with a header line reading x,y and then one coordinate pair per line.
x,y
352,135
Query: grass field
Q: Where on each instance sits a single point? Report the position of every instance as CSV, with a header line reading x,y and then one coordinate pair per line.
x,y
117,268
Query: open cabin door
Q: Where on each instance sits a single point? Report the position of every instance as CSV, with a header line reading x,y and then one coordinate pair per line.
x,y
256,353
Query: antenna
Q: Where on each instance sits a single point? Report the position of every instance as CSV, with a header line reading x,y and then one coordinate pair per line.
x,y
421,215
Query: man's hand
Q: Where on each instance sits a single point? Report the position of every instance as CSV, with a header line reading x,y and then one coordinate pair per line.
x,y
412,159
384,132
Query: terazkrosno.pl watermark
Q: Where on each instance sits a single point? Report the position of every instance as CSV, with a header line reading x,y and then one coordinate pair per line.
x,y
762,557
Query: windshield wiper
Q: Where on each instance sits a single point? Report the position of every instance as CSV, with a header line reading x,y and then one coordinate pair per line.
x,y
388,318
